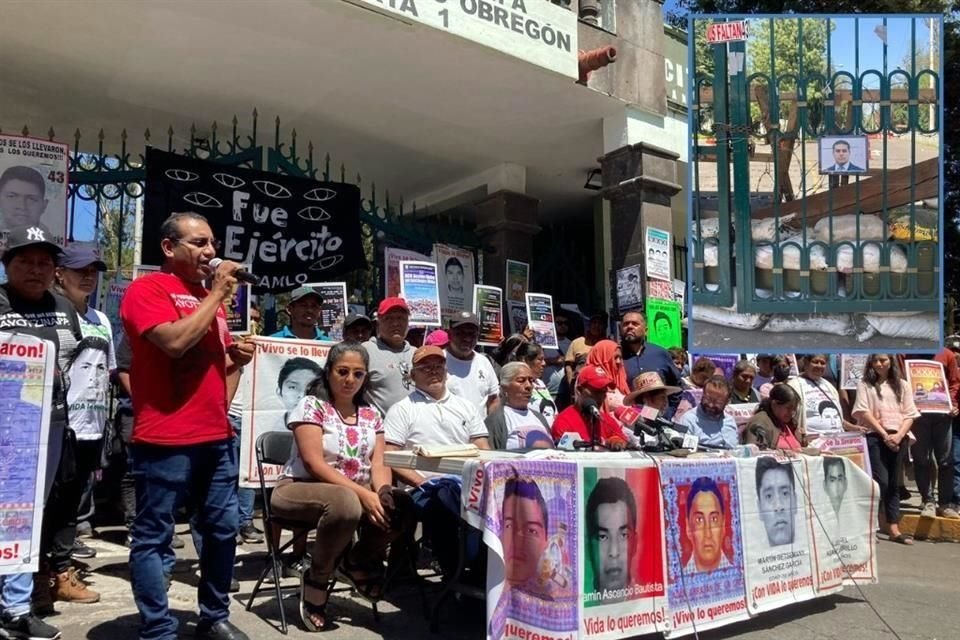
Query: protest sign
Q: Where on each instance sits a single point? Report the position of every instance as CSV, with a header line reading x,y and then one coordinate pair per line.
x,y
630,288
741,413
540,319
706,586
623,556
724,362
777,561
658,254
455,278
391,259
488,305
659,289
851,369
843,507
276,379
663,323
518,280
33,185
27,368
527,510
679,295
518,316
850,445
110,305
333,307
929,384
689,399
418,286
238,311
289,230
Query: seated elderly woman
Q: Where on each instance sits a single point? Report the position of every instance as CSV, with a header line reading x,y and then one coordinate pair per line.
x,y
336,477
515,425
774,425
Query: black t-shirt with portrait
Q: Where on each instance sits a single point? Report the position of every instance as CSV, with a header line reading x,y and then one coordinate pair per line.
x,y
52,318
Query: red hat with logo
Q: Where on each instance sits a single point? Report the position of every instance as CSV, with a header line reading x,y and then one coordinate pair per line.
x,y
595,378
389,304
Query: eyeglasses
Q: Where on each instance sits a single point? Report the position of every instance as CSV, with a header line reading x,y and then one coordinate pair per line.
x,y
431,368
202,243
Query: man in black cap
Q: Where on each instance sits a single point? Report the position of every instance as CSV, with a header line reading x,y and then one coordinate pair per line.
x,y
304,310
357,328
27,307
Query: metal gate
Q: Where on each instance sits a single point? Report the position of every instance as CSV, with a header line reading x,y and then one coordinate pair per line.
x,y
106,182
768,240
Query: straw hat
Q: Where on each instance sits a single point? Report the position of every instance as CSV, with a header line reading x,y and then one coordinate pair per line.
x,y
645,383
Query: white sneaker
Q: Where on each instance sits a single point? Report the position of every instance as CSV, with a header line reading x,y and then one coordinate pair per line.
x,y
929,510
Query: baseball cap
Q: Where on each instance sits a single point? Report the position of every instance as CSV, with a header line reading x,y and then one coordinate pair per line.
x,y
31,235
389,304
595,378
303,292
354,318
428,351
438,338
464,317
78,256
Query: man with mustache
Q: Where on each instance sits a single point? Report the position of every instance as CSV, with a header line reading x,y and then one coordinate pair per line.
x,y
777,498
706,527
304,311
611,521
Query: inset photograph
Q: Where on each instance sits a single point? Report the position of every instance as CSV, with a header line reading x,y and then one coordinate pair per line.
x,y
815,174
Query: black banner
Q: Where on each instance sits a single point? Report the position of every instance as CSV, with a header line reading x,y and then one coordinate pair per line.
x,y
289,231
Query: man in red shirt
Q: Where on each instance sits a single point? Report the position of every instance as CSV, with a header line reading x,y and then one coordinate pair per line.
x,y
592,386
184,372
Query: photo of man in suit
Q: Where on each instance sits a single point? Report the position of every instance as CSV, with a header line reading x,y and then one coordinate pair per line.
x,y
841,159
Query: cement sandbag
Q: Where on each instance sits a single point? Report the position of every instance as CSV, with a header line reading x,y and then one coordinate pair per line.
x,y
871,259
834,323
845,228
924,326
728,317
764,230
925,225
791,255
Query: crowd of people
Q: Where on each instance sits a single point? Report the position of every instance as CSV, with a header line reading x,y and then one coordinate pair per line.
x,y
384,387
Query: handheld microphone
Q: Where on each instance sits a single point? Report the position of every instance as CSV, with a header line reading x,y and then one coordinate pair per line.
x,y
240,274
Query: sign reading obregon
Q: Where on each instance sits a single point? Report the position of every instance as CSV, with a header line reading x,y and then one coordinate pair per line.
x,y
537,31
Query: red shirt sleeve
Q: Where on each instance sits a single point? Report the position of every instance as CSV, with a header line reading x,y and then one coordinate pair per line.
x,y
566,421
610,428
948,359
145,305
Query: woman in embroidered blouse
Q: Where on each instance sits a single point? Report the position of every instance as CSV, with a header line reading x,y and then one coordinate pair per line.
x,y
336,476
885,406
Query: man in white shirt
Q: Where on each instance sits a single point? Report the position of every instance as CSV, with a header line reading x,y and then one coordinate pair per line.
x,y
433,415
471,375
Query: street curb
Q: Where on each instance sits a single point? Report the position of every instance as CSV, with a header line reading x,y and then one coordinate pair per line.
x,y
934,529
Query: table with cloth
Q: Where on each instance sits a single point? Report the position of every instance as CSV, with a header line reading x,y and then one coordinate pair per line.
x,y
613,545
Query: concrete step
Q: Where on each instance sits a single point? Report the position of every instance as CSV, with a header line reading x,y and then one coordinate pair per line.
x,y
938,529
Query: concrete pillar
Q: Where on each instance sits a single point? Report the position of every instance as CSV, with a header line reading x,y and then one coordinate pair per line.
x,y
507,224
639,181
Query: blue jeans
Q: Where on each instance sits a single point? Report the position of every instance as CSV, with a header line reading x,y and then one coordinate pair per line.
x,y
245,496
163,477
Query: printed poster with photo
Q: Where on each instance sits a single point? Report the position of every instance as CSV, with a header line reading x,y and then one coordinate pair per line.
x,y
623,556
112,296
272,384
238,311
658,249
843,515
724,362
851,369
488,305
333,307
663,323
848,444
27,364
540,319
517,312
927,379
777,558
391,258
706,584
418,286
455,275
33,185
630,288
527,511
659,289
680,295
844,155
518,280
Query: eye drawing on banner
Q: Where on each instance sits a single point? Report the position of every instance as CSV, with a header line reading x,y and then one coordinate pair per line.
x,y
268,221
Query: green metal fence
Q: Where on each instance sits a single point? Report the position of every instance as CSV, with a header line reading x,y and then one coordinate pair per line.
x,y
772,241
106,182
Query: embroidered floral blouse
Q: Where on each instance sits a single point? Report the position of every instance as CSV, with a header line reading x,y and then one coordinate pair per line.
x,y
347,448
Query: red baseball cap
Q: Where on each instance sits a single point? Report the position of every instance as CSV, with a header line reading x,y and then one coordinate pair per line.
x,y
595,378
389,304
